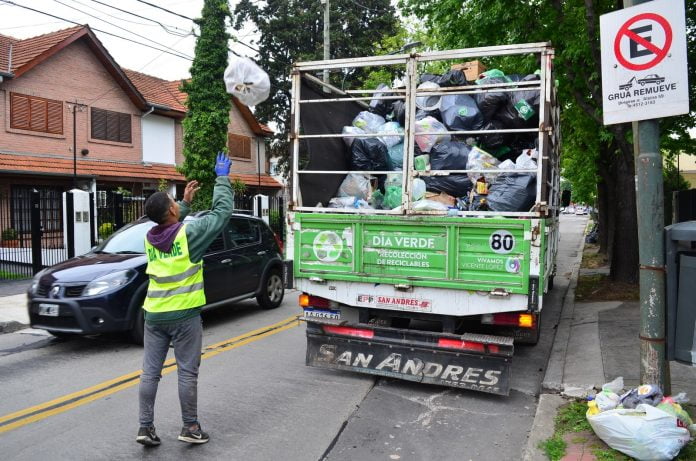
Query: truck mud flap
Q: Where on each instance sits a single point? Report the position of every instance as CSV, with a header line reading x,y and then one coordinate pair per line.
x,y
415,358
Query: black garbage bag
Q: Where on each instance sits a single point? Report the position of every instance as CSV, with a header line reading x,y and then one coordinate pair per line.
x,y
451,78
450,155
368,154
382,106
460,112
489,103
512,192
421,114
398,113
456,185
521,110
493,141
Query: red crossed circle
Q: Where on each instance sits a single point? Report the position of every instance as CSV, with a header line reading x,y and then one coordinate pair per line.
x,y
660,53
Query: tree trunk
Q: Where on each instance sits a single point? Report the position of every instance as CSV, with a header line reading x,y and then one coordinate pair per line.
x,y
624,257
603,216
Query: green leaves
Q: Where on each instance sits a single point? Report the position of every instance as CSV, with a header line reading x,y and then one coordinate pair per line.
x,y
205,126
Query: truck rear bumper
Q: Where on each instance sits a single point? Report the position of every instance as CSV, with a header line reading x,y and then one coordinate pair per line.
x,y
433,358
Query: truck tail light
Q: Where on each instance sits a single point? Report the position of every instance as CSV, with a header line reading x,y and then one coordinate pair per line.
x,y
514,319
467,345
348,331
314,301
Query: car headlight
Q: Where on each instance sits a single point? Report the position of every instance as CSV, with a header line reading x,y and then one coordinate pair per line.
x,y
108,282
35,281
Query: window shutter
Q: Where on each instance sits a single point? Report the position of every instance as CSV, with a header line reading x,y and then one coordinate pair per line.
x,y
19,112
98,123
55,117
239,146
37,108
124,127
111,126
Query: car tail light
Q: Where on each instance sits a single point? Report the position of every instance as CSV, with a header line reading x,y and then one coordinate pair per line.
x,y
515,319
348,331
314,301
278,241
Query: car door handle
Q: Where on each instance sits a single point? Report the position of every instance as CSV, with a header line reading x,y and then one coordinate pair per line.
x,y
226,261
261,253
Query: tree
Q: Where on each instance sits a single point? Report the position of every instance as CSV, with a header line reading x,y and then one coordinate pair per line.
x,y
208,104
292,30
573,28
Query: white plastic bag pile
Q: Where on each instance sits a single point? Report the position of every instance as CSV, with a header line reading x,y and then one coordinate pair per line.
x,y
640,423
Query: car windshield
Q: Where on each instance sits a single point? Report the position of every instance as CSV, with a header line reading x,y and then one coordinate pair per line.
x,y
130,239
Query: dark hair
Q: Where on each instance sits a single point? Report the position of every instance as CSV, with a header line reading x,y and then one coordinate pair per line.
x,y
157,205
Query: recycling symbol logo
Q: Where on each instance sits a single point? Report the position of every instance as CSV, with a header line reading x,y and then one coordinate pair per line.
x,y
328,246
463,111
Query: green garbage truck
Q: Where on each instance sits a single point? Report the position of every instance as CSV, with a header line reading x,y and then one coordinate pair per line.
x,y
422,224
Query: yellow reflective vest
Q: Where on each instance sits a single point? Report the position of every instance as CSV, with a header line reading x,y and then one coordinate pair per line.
x,y
175,282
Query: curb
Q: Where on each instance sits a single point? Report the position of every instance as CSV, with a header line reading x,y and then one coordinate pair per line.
x,y
12,326
543,427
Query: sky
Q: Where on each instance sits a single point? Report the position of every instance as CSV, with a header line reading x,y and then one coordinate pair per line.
x,y
173,35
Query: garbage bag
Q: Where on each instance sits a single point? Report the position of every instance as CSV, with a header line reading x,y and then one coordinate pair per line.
x,y
449,155
481,160
456,185
427,141
521,110
348,202
644,433
512,192
246,81
527,160
351,130
368,121
392,192
647,393
382,106
429,205
428,102
451,78
460,112
493,73
418,189
355,185
493,141
421,114
421,162
395,157
395,136
368,154
398,113
490,102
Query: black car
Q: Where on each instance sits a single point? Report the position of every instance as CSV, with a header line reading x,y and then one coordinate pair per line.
x,y
103,291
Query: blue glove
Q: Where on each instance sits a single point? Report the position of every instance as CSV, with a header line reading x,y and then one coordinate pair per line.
x,y
222,165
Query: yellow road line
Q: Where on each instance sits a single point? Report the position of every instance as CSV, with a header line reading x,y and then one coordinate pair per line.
x,y
62,404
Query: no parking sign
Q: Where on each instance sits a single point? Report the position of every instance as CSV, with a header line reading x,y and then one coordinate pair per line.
x,y
644,64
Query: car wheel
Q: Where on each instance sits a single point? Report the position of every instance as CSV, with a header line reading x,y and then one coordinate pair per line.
x,y
137,332
272,290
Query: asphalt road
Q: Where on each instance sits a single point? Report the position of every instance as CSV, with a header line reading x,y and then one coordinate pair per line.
x,y
76,399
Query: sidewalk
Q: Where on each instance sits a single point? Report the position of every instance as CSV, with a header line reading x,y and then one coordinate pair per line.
x,y
595,342
13,305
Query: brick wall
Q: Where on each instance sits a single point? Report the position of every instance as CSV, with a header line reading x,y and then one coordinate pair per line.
x,y
72,74
239,126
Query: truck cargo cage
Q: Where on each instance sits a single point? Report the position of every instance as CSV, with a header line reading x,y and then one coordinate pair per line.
x,y
326,108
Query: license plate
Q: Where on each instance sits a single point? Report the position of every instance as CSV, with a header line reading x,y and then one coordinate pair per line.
x,y
322,314
50,310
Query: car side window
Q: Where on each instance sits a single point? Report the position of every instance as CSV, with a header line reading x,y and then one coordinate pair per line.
x,y
242,232
216,245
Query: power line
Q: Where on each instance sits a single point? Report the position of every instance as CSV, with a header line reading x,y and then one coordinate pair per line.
x,y
119,27
162,25
164,9
97,30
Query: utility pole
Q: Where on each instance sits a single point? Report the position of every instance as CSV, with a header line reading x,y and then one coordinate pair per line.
x,y
327,46
654,368
74,109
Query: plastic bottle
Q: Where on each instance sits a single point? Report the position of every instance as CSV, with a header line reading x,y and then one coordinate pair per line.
x,y
592,408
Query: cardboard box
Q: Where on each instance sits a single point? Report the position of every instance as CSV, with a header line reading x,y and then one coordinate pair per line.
x,y
440,197
471,69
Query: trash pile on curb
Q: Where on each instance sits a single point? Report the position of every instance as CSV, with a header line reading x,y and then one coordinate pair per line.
x,y
641,422
375,142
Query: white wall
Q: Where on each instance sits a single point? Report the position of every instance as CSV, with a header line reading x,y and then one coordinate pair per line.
x,y
158,139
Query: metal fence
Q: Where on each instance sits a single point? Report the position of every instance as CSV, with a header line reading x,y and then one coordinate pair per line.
x,y
115,210
31,226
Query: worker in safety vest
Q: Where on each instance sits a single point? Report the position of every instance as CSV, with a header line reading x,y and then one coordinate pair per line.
x,y
175,296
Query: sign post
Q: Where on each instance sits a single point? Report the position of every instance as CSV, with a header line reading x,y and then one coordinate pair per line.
x,y
644,77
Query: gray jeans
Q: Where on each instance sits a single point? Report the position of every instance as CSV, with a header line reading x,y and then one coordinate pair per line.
x,y
186,337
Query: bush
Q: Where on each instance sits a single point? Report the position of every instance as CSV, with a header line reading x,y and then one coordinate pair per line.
x,y
10,234
105,229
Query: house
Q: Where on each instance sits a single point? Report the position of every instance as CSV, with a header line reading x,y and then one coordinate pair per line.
x,y
72,117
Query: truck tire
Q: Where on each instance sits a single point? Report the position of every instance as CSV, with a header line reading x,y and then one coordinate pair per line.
x,y
272,289
550,283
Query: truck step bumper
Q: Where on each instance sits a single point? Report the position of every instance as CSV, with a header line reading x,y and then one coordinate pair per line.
x,y
416,357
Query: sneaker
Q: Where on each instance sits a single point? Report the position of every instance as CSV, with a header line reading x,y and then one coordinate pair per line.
x,y
193,434
148,437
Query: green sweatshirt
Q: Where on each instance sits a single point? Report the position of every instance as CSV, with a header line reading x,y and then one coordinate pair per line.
x,y
200,233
